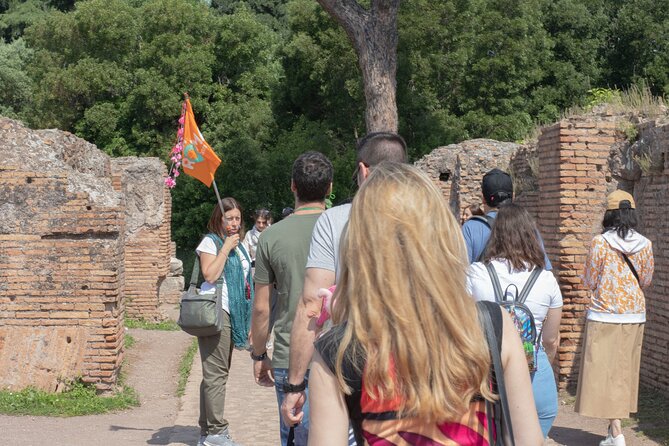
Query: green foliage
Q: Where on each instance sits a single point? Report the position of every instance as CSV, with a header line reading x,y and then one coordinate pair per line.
x,y
15,84
166,325
185,366
598,96
269,79
640,44
80,399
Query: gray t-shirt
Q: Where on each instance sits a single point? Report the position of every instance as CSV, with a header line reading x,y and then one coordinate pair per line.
x,y
324,249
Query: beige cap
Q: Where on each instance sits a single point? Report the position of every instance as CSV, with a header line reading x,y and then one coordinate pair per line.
x,y
615,198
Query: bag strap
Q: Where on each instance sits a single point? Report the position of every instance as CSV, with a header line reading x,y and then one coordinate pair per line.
x,y
196,272
218,241
536,272
628,261
503,419
485,219
496,286
489,222
631,266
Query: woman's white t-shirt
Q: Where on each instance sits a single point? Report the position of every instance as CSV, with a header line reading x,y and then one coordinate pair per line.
x,y
544,294
208,246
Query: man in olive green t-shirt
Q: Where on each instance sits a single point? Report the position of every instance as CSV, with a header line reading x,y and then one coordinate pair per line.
x,y
281,257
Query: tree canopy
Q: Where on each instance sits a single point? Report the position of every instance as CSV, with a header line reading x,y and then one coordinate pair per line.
x,y
269,79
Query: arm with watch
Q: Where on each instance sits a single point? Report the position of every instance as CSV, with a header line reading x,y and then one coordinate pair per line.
x,y
302,337
262,366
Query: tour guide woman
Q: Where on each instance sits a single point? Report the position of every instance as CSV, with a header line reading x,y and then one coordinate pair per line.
x,y
223,256
406,360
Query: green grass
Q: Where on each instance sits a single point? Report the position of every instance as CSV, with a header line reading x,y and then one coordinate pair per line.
x,y
80,399
167,325
129,341
185,366
653,416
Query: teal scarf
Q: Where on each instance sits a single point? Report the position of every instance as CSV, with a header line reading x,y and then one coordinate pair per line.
x,y
240,293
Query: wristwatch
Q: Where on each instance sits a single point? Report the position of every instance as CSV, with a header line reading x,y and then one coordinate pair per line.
x,y
293,388
258,357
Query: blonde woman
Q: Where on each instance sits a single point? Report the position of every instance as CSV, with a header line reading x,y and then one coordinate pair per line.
x,y
407,361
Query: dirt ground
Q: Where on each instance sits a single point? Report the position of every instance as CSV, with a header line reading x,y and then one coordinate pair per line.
x,y
152,367
164,419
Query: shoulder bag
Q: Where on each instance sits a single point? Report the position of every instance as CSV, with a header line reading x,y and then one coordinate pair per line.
x,y
200,314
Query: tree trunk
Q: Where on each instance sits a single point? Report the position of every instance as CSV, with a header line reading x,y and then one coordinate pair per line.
x,y
373,33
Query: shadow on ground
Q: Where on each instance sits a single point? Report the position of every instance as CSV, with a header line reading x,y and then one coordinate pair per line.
x,y
568,435
653,415
181,435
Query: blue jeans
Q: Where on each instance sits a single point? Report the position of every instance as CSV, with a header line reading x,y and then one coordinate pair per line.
x,y
545,392
301,431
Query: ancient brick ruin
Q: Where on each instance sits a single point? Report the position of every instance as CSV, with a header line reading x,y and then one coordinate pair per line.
x,y
563,180
72,225
148,246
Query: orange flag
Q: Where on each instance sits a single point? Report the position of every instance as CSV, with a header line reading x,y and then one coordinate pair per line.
x,y
199,160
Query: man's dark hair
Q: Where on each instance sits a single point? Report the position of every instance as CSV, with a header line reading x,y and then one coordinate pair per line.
x,y
377,147
312,175
515,238
620,220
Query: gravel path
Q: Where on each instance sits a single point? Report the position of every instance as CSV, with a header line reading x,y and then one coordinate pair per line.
x,y
152,371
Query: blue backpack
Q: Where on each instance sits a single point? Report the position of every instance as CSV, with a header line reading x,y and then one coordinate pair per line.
x,y
521,316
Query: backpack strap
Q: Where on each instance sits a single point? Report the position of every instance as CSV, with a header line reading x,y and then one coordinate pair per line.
x,y
496,286
485,219
489,222
536,272
490,316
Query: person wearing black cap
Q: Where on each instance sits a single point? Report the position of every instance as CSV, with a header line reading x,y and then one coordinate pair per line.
x,y
496,189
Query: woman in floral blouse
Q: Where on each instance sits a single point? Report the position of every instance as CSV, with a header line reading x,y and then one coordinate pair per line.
x,y
619,265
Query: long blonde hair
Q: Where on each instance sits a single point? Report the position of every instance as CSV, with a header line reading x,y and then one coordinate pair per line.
x,y
403,298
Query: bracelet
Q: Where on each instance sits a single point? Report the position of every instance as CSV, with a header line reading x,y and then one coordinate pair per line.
x,y
259,357
294,388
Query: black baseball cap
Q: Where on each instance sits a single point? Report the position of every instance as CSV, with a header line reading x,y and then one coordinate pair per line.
x,y
497,187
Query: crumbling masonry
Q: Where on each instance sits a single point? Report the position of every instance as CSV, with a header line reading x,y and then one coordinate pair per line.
x,y
83,239
563,180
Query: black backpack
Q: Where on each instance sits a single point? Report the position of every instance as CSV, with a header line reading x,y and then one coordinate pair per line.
x,y
522,317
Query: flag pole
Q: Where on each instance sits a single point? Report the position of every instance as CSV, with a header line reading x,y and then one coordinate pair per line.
x,y
218,198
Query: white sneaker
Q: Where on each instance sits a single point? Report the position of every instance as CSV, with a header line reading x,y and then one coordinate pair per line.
x,y
610,440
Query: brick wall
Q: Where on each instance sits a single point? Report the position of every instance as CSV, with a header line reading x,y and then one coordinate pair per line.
x,y
81,235
61,269
457,169
574,178
650,193
148,245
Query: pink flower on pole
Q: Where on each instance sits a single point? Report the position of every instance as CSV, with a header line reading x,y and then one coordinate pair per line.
x,y
175,172
169,182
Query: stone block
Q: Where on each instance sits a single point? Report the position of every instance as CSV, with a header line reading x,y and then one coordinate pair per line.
x,y
176,267
171,289
41,357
